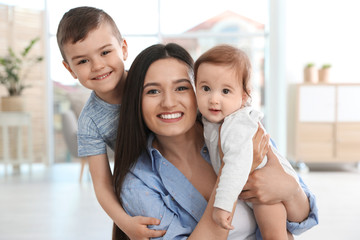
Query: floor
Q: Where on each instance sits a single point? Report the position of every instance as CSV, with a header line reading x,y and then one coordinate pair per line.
x,y
51,204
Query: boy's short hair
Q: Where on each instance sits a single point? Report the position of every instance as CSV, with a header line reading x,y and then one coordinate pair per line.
x,y
76,24
227,55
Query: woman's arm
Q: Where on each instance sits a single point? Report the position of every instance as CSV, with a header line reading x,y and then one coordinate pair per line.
x,y
271,184
282,188
140,198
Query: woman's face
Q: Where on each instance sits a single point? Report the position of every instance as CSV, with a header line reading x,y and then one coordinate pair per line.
x,y
168,100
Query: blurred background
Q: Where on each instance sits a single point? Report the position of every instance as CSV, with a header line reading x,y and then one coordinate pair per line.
x,y
305,79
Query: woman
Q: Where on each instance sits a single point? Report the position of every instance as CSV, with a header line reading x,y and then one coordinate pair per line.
x,y
162,168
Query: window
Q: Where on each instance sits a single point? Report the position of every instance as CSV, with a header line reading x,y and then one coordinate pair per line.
x,y
196,25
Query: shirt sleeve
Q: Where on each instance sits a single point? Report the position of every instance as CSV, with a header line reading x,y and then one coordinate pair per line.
x,y
90,141
312,220
142,200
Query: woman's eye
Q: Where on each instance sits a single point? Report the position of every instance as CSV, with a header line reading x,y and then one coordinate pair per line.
x,y
206,88
226,91
182,88
152,91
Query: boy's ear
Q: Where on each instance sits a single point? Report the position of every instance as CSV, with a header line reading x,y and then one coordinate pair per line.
x,y
124,48
66,65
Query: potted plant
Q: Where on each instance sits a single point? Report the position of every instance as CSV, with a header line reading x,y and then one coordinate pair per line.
x,y
310,73
14,69
324,73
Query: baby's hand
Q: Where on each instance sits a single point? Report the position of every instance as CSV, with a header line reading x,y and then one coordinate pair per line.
x,y
137,228
222,218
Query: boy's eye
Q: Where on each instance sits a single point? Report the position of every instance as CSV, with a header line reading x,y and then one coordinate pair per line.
x,y
206,88
182,88
83,61
226,91
105,53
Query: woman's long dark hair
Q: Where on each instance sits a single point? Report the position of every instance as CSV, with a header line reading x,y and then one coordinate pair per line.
x,y
132,132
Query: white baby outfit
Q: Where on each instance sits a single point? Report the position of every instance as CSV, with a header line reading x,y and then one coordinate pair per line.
x,y
236,135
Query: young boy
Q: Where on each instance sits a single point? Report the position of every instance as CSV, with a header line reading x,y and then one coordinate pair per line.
x,y
94,52
222,77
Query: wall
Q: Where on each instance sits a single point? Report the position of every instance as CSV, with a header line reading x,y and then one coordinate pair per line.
x,y
321,31
17,27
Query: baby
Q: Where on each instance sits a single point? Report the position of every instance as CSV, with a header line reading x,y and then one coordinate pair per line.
x,y
222,76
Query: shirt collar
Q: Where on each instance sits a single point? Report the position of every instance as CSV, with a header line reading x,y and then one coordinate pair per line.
x,y
194,203
153,153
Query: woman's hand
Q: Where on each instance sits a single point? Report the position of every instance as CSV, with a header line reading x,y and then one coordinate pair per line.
x,y
260,147
137,228
270,184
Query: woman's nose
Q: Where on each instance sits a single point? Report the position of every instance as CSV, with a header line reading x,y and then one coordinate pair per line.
x,y
168,100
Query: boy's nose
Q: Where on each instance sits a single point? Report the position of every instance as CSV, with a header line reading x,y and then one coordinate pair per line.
x,y
97,65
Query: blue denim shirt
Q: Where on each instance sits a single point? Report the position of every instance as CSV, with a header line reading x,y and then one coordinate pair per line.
x,y
156,188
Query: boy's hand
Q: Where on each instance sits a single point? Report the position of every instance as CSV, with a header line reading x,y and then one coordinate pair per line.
x,y
222,218
137,228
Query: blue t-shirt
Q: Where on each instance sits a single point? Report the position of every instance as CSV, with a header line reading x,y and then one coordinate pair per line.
x,y
97,126
156,188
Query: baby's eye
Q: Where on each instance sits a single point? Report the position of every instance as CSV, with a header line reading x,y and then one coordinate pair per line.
x,y
226,91
182,88
82,61
206,88
152,91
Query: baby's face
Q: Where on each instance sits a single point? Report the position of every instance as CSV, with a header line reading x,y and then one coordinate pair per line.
x,y
218,91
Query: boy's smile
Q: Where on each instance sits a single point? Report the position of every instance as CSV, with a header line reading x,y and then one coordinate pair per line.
x,y
101,77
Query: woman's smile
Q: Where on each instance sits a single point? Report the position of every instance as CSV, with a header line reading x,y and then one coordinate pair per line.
x,y
171,116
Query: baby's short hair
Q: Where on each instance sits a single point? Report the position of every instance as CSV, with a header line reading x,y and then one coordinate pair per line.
x,y
227,55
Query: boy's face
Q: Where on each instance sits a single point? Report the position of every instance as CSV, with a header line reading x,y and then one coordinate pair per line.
x,y
97,61
218,92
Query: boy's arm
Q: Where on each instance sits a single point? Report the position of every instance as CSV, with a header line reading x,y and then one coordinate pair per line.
x,y
134,227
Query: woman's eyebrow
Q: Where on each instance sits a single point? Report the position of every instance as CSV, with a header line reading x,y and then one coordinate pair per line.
x,y
182,80
151,84
158,84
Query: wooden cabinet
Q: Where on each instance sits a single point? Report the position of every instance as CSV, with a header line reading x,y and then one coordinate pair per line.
x,y
327,123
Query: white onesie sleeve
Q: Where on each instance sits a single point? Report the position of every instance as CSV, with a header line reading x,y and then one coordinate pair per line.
x,y
236,136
